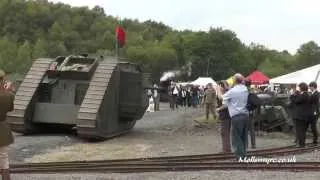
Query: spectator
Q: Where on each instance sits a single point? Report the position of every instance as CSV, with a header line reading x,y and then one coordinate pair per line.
x,y
301,112
6,137
156,97
210,100
236,101
224,117
315,109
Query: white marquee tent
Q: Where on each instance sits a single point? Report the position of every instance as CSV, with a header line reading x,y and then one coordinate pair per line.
x,y
203,81
304,75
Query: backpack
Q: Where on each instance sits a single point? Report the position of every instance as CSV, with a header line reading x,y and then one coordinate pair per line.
x,y
253,102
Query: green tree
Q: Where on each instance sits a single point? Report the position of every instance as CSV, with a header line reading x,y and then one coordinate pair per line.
x,y
24,57
45,29
40,49
8,54
308,55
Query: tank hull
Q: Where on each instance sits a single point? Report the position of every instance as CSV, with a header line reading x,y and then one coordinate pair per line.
x,y
104,101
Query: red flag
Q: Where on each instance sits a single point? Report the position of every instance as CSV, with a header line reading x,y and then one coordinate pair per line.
x,y
121,36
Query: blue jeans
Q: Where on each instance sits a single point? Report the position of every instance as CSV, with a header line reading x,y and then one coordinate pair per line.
x,y
239,132
194,101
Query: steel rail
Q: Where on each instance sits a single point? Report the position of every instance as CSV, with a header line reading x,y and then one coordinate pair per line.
x,y
177,166
189,158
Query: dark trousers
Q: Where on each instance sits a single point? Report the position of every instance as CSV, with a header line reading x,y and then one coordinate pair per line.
x,y
301,131
313,122
173,101
184,101
194,101
239,131
157,103
210,107
225,134
251,130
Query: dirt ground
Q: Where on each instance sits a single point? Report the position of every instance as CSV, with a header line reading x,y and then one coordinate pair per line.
x,y
163,133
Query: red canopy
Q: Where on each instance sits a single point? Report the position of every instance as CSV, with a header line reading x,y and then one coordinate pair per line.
x,y
258,77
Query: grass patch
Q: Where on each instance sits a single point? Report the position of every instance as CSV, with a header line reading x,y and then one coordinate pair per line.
x,y
86,151
211,121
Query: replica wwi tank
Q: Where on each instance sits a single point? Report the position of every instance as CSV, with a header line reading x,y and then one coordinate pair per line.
x,y
99,98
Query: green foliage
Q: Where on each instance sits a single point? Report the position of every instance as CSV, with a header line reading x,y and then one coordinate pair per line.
x,y
33,29
308,55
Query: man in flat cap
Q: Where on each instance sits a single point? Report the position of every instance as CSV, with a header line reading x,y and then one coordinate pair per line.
x,y
236,101
6,137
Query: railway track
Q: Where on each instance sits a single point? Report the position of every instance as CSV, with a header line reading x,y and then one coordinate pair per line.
x,y
173,166
175,163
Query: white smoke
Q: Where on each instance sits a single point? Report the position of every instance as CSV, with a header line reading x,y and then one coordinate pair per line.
x,y
169,75
186,69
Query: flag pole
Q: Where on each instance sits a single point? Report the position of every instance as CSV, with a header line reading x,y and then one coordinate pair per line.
x,y
116,38
117,47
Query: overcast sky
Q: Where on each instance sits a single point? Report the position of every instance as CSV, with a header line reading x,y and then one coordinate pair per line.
x,y
277,24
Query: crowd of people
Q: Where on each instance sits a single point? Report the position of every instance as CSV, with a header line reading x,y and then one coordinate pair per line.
x,y
304,103
234,105
239,102
178,96
185,96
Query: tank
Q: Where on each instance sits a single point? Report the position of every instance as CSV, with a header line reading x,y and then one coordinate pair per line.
x,y
98,98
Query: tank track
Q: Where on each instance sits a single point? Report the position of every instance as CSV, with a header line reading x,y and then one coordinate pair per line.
x,y
90,107
18,118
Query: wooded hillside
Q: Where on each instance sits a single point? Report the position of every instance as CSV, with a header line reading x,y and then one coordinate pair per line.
x,y
32,29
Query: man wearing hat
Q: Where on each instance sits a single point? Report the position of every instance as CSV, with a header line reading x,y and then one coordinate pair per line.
x,y
6,137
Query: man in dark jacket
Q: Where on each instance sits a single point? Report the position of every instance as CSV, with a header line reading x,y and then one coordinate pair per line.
x,y
6,137
314,97
253,111
301,112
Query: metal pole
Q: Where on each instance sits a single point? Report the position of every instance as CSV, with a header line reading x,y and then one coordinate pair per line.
x,y
317,76
117,46
116,38
208,64
117,50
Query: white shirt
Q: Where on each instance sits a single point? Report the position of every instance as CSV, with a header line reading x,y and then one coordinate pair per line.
x,y
175,91
236,99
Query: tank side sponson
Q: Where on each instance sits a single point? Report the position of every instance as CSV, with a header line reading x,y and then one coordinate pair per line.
x,y
25,94
88,115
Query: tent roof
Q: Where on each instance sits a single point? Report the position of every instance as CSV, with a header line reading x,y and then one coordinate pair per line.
x,y
258,77
203,81
304,75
